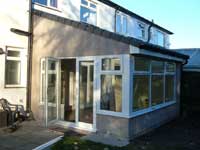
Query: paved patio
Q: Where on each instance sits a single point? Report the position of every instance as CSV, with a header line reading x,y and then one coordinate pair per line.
x,y
27,137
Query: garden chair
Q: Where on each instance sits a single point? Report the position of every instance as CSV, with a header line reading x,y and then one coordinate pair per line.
x,y
15,113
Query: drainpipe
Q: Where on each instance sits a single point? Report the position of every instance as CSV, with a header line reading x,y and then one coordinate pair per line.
x,y
149,31
29,59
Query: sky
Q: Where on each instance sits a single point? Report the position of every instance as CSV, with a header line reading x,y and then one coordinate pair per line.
x,y
182,17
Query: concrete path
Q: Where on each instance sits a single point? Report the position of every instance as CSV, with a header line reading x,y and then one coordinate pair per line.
x,y
27,137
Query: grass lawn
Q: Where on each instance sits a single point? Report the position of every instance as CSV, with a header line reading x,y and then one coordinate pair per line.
x,y
75,143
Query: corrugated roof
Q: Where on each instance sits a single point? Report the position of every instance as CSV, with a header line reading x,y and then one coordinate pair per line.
x,y
194,60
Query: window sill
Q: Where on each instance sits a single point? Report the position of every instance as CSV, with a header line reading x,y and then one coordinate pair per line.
x,y
47,7
15,86
153,108
112,113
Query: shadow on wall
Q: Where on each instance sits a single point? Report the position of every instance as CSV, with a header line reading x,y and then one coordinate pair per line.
x,y
57,38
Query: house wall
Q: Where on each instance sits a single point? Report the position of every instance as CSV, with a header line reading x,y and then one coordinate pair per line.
x,y
54,39
129,128
13,14
105,18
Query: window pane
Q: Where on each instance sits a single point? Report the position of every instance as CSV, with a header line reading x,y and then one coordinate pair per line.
x,y
157,67
85,14
124,25
169,88
53,3
157,90
111,92
141,30
160,38
43,2
43,65
13,53
88,15
13,72
140,92
43,87
170,67
111,64
84,2
52,65
93,6
142,64
51,89
118,23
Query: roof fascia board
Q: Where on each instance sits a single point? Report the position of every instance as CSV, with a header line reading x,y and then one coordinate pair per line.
x,y
138,51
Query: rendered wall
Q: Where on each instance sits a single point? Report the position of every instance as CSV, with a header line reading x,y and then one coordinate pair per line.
x,y
13,14
54,39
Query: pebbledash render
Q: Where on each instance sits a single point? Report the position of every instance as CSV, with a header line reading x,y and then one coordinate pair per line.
x,y
96,66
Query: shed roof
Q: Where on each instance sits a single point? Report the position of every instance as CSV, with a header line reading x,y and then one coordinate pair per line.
x,y
194,57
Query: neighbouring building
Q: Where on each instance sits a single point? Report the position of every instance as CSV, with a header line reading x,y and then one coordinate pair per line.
x,y
99,67
13,44
191,81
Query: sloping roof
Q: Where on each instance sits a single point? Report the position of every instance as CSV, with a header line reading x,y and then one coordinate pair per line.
x,y
128,12
194,60
111,35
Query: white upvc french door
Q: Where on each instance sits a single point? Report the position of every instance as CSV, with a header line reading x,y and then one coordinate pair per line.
x,y
52,90
85,102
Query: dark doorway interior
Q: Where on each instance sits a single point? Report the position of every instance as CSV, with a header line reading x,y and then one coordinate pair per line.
x,y
68,93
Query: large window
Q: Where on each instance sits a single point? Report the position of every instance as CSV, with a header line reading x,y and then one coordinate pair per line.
x,y
88,12
51,3
160,38
121,23
111,85
153,83
141,30
14,67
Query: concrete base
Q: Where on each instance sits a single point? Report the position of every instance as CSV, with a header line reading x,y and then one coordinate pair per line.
x,y
106,139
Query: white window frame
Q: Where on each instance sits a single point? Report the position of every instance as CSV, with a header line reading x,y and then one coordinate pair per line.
x,y
112,71
122,16
48,4
150,73
124,72
90,8
23,66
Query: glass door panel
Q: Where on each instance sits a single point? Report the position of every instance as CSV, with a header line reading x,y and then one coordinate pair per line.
x,y
86,80
51,89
